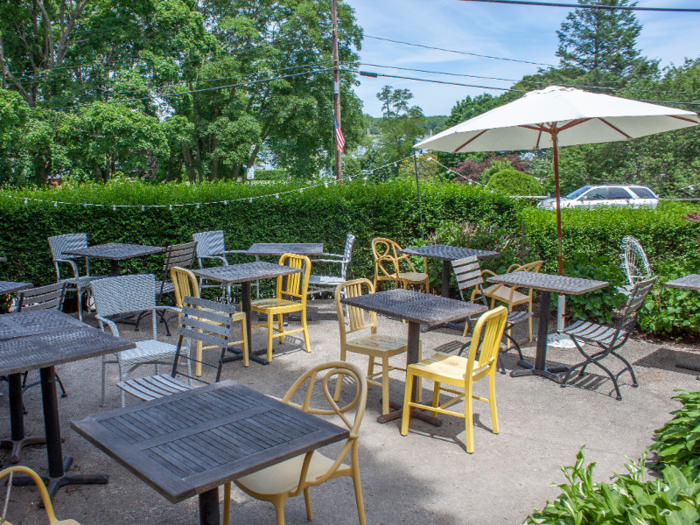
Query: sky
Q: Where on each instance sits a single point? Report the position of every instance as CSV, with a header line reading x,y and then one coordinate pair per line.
x,y
505,31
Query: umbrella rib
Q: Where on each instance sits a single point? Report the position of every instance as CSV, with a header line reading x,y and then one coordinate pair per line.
x,y
613,127
577,122
539,136
470,140
683,118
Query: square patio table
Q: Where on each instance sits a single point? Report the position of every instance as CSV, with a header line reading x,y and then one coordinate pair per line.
x,y
546,283
191,443
244,274
115,252
11,287
278,249
689,282
447,254
416,308
43,339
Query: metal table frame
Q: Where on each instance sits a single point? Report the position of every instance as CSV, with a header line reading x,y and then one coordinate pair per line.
x,y
545,283
689,282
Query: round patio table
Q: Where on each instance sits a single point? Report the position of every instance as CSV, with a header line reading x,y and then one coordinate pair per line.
x,y
545,283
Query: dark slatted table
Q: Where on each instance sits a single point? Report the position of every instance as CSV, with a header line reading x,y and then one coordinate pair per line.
x,y
191,443
544,282
447,254
115,252
11,287
689,282
244,274
416,308
277,249
41,340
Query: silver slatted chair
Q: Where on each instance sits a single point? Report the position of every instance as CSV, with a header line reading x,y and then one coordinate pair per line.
x,y
208,322
326,283
66,243
211,247
126,294
609,338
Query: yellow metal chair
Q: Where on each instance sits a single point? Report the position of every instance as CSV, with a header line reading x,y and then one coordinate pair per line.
x,y
290,478
46,500
387,266
460,372
510,295
375,346
186,285
296,286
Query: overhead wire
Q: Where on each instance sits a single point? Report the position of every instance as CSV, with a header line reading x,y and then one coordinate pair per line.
x,y
589,6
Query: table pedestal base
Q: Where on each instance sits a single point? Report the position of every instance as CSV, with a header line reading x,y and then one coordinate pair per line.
x,y
397,413
550,372
53,484
209,507
18,445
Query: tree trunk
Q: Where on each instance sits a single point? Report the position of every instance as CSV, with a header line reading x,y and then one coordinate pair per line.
x,y
187,158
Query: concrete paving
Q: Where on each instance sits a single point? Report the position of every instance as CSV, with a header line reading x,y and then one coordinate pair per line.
x,y
426,477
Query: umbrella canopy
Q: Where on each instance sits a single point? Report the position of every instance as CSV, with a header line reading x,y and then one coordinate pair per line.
x,y
558,116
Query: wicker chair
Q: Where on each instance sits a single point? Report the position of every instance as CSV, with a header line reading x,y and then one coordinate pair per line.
x,y
66,243
126,294
322,283
387,266
211,246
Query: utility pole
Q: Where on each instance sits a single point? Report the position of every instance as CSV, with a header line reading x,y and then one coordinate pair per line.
x,y
336,90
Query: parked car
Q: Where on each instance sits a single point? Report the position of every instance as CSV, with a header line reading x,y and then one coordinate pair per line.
x,y
605,195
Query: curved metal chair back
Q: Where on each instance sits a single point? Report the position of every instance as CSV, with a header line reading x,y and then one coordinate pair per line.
x,y
533,267
386,251
634,302
67,243
42,298
347,255
296,285
209,244
634,260
358,319
124,294
185,283
181,255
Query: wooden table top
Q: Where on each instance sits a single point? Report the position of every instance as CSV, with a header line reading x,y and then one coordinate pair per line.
x,y
444,252
189,443
689,282
116,251
246,272
278,249
43,338
549,283
10,287
416,307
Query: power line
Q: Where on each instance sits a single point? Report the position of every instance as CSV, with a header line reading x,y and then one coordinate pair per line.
x,y
589,6
458,52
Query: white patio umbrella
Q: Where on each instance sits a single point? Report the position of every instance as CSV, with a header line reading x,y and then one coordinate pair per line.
x,y
558,116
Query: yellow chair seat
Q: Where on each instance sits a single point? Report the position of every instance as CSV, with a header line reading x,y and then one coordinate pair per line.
x,y
269,304
413,277
284,476
448,368
378,345
502,293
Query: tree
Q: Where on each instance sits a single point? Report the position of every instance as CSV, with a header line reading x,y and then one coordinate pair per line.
x,y
515,182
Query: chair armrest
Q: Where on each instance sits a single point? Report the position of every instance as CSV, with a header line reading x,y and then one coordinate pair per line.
x,y
112,325
488,271
217,257
333,255
72,265
168,307
512,267
235,251
327,261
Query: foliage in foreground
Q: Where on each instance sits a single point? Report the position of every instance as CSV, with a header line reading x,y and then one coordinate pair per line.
x,y
631,499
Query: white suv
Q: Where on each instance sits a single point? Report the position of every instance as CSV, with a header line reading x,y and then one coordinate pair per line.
x,y
594,196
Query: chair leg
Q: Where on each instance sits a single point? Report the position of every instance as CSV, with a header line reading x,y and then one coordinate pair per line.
x,y
305,327
628,366
227,502
385,385
436,398
358,487
121,378
280,326
279,508
529,322
80,300
198,362
103,381
370,371
60,383
492,401
270,321
469,417
307,502
246,343
406,416
339,378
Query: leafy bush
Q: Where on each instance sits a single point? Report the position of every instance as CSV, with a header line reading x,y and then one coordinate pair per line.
x,y
515,182
278,174
678,442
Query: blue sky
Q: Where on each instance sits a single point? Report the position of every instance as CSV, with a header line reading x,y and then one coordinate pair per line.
x,y
525,33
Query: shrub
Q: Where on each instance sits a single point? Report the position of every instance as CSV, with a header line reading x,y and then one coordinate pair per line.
x,y
678,442
515,182
276,174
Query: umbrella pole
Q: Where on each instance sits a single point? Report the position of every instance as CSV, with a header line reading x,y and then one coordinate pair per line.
x,y
556,184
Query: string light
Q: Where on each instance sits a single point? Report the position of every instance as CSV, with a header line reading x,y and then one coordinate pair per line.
x,y
171,207
143,208
277,195
250,200
55,204
197,205
25,201
114,207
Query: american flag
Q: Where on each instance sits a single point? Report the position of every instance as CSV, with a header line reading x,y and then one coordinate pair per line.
x,y
340,138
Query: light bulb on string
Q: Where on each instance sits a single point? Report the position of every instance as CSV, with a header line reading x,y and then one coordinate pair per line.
x,y
197,205
25,201
114,207
250,200
143,208
277,195
171,207
55,204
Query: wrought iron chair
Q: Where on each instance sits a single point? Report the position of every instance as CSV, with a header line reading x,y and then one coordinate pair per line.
x,y
126,294
610,339
45,498
387,266
66,243
42,298
206,322
373,345
634,263
295,286
462,373
321,283
180,255
211,246
290,478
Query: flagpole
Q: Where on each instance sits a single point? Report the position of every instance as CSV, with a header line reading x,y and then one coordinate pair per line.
x,y
336,90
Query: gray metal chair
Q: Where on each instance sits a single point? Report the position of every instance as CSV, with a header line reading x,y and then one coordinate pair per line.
x,y
66,243
634,262
211,246
208,322
327,283
609,338
127,294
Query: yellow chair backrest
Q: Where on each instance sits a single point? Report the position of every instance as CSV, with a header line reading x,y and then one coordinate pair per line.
x,y
185,283
533,267
492,324
46,500
358,319
297,285
387,251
